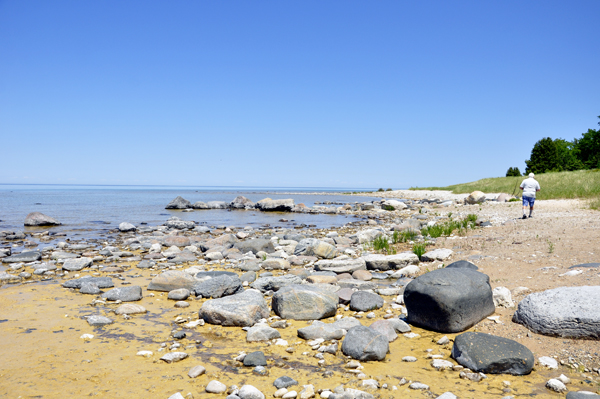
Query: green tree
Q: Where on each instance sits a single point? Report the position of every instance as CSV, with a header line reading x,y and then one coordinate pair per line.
x,y
567,155
544,157
588,148
513,171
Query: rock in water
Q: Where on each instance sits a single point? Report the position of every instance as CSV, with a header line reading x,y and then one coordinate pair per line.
x,y
565,312
179,203
244,309
39,219
449,300
488,353
304,302
241,202
270,205
125,227
363,343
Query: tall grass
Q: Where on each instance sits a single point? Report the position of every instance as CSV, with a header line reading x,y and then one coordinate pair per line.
x,y
447,228
577,184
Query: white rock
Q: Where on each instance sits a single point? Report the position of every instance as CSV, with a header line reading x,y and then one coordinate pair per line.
x,y
250,392
280,392
502,297
556,385
174,357
447,395
564,379
409,359
176,396
372,384
549,362
571,273
408,271
87,337
441,364
443,341
196,371
308,392
412,335
290,395
418,385
144,353
215,387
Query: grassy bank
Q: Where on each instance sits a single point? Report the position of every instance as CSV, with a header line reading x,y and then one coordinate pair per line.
x,y
582,184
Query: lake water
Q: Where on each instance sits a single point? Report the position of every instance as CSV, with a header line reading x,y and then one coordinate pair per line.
x,y
85,209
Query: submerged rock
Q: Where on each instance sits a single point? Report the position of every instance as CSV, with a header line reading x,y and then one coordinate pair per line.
x,y
39,219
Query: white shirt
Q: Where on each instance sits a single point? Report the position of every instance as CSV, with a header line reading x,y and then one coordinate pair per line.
x,y
530,186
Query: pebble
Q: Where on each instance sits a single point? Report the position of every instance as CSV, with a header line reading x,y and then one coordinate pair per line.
x,y
418,385
556,385
144,353
215,386
174,357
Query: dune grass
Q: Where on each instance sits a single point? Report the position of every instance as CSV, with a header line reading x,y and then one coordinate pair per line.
x,y
581,184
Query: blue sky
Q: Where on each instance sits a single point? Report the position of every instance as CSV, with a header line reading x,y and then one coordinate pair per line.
x,y
349,94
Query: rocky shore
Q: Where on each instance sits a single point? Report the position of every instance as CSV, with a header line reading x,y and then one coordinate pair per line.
x,y
380,307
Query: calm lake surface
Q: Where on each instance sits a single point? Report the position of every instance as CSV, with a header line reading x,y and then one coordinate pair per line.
x,y
85,209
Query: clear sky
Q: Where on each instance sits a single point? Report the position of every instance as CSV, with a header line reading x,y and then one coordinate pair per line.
x,y
350,94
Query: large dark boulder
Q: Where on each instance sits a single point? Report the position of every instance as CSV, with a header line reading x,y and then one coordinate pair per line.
x,y
364,344
179,203
304,302
491,354
565,312
449,300
39,219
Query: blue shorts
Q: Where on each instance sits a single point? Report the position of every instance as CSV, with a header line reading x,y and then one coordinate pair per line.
x,y
528,201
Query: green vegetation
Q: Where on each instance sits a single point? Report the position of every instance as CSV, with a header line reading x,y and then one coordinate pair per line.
x,y
513,172
558,155
381,244
388,207
404,236
576,184
447,228
419,249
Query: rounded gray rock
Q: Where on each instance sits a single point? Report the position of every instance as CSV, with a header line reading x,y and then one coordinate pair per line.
x,y
304,302
363,301
491,354
565,312
363,343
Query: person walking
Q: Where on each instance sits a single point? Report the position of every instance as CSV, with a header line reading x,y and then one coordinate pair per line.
x,y
529,186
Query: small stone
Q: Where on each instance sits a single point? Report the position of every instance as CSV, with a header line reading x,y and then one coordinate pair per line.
x,y
144,353
556,385
215,387
418,385
443,341
174,357
409,359
548,362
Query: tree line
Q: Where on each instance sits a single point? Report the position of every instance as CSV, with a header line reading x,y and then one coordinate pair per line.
x,y
559,155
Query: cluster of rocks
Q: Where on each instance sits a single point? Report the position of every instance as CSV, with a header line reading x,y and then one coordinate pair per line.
x,y
270,278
